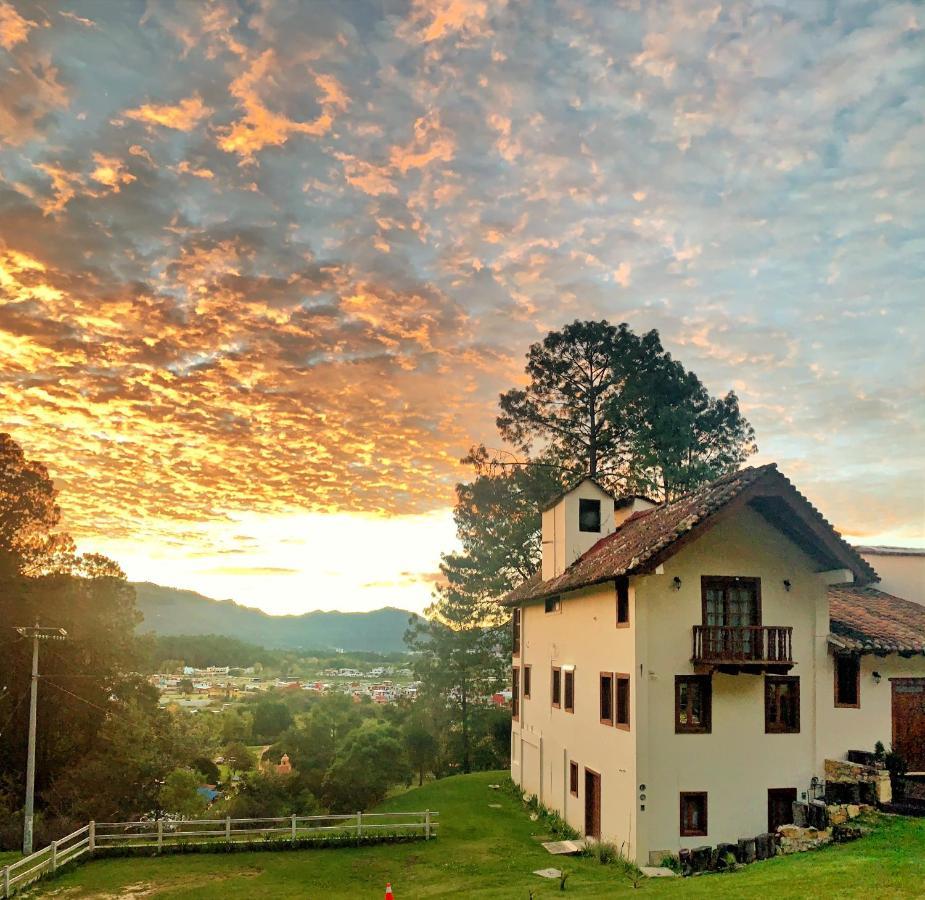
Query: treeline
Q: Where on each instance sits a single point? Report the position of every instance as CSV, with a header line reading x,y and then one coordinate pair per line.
x,y
169,653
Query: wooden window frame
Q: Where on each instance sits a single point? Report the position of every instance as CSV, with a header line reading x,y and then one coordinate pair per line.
x,y
837,658
552,605
556,687
708,581
689,795
528,681
622,588
515,693
618,679
706,688
600,517
610,692
774,728
573,779
569,677
516,624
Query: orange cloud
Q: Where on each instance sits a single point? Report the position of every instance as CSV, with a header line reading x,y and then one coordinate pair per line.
x,y
432,142
110,172
261,127
369,178
182,116
439,18
14,28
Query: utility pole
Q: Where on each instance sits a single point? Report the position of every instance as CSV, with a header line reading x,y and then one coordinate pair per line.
x,y
37,634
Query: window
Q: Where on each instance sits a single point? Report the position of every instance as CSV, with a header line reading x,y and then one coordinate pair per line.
x,y
606,692
847,681
622,703
553,604
569,690
515,631
515,693
527,672
731,603
693,704
781,704
589,515
556,687
623,602
693,814
573,778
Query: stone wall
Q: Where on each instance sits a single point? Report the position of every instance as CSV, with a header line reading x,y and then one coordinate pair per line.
x,y
842,772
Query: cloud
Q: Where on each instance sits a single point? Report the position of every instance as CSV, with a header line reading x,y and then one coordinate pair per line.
x,y
14,27
182,116
260,126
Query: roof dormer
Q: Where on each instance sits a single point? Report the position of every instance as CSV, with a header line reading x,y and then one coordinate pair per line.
x,y
573,523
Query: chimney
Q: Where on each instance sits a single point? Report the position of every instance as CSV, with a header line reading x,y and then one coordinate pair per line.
x,y
624,507
573,523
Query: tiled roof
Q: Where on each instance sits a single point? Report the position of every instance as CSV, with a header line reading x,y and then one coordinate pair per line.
x,y
866,620
650,535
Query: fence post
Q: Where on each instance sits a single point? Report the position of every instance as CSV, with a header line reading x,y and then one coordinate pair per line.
x,y
293,828
160,835
6,881
54,856
426,824
227,828
359,823
91,836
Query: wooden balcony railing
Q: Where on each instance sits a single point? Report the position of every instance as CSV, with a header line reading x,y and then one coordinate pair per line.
x,y
745,646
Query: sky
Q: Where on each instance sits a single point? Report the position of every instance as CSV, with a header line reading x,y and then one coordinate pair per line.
x,y
265,267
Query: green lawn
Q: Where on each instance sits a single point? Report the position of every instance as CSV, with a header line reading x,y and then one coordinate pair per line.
x,y
487,852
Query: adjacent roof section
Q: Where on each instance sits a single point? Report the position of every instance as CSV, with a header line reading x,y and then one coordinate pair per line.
x,y
649,537
865,620
891,551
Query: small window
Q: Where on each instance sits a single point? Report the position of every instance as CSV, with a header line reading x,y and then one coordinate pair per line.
x,y
527,673
515,631
589,515
515,693
569,691
623,602
606,693
556,687
781,704
573,778
693,704
553,604
694,814
622,702
847,681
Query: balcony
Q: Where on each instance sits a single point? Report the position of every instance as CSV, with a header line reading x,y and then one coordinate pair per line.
x,y
746,648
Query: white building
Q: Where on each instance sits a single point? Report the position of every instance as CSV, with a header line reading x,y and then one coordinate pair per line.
x,y
678,679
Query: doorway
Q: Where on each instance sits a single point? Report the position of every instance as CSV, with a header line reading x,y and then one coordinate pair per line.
x,y
780,807
592,805
909,721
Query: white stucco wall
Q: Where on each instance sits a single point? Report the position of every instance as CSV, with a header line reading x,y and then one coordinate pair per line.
x,y
902,576
842,729
584,634
563,543
737,763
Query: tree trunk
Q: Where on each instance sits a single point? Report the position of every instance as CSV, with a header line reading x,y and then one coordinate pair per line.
x,y
421,777
464,710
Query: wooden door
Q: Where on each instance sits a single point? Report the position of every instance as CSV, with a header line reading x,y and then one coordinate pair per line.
x,y
592,804
780,807
909,721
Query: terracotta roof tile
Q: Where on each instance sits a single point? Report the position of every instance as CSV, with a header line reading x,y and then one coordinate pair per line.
x,y
866,620
651,533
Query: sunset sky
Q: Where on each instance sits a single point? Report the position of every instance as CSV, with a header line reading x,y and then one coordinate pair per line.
x,y
265,266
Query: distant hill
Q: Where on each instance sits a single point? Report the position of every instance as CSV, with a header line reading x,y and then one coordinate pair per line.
x,y
174,611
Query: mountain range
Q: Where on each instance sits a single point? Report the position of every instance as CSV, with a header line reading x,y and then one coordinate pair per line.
x,y
170,611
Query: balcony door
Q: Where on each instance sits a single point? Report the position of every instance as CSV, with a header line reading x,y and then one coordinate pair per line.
x,y
730,607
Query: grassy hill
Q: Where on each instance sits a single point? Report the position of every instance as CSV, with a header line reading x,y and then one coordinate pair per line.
x,y
174,611
488,847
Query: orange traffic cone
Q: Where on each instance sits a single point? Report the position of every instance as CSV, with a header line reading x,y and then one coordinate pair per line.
x,y
388,892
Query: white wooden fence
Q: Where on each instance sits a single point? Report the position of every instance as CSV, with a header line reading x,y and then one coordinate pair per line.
x,y
167,833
